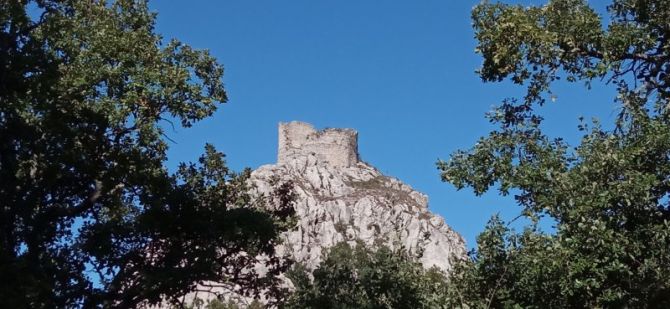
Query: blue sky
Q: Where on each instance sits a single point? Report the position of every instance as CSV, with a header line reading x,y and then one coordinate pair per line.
x,y
402,73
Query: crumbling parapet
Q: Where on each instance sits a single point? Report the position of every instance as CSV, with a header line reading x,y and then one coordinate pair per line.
x,y
333,147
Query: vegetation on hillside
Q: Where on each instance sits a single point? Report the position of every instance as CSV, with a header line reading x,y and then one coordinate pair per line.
x,y
360,277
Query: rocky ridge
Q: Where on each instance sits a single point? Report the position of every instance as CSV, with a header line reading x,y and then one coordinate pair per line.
x,y
341,198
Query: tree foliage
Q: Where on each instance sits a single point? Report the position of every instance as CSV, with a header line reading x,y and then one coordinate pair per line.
x,y
219,304
89,214
608,195
358,277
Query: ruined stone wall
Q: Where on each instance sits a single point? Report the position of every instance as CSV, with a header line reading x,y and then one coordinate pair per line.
x,y
333,147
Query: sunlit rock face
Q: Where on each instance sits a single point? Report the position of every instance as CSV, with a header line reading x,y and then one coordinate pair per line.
x,y
341,198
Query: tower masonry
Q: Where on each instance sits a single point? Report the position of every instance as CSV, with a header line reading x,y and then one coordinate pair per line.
x,y
332,147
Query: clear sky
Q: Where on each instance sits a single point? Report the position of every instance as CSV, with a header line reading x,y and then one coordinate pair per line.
x,y
402,73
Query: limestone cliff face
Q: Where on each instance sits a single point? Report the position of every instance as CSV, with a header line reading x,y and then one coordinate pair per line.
x,y
343,199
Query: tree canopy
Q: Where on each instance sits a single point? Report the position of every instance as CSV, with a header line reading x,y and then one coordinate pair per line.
x,y
360,277
89,214
608,196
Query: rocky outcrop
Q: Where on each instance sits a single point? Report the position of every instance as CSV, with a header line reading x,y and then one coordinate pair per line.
x,y
341,198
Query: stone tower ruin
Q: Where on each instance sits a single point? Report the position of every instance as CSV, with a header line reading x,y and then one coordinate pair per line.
x,y
332,147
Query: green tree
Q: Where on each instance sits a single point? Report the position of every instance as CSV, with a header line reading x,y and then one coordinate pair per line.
x,y
358,277
215,303
89,214
608,195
